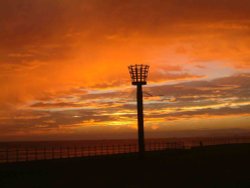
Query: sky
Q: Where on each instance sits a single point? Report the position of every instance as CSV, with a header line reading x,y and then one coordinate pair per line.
x,y
63,68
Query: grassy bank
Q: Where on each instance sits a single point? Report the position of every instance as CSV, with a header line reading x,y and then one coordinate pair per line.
x,y
214,166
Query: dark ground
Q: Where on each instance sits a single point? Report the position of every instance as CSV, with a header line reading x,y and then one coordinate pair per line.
x,y
216,166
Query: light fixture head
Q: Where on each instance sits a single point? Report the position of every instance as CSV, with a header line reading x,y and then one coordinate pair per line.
x,y
138,74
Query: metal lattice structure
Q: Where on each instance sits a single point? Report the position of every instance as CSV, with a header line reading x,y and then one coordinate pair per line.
x,y
138,74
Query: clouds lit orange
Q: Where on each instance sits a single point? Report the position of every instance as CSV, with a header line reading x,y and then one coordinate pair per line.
x,y
63,68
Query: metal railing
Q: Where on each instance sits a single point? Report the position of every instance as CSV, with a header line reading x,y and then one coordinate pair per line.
x,y
218,141
19,154
27,153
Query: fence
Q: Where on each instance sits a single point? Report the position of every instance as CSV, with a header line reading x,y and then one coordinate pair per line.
x,y
218,141
10,155
18,154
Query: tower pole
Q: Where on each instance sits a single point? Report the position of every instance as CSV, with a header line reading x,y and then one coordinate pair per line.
x,y
138,74
140,121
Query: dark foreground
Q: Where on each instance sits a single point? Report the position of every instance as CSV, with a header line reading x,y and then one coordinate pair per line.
x,y
214,166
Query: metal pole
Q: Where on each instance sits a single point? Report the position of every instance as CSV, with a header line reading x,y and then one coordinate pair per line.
x,y
140,121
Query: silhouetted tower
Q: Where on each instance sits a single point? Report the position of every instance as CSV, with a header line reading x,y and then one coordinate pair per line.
x,y
139,74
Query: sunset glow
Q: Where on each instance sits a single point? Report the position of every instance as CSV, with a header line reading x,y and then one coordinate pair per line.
x,y
63,68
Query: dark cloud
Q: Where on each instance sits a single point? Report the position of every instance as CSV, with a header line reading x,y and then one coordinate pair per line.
x,y
45,29
232,86
206,112
55,105
48,120
159,76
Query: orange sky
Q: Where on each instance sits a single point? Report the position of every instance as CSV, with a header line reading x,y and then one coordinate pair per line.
x,y
63,68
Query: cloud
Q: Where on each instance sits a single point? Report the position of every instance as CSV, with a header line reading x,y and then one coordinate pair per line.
x,y
55,105
74,42
224,97
231,86
204,113
28,121
73,55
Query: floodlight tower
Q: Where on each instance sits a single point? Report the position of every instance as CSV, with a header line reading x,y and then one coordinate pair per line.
x,y
139,74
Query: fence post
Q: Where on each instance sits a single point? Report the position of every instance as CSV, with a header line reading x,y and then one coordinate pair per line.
x,y
7,155
68,152
81,151
91,151
35,153
110,149
53,154
105,150
17,154
44,153
27,154
94,150
88,149
75,151
60,152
